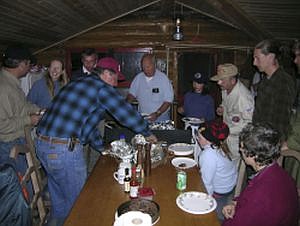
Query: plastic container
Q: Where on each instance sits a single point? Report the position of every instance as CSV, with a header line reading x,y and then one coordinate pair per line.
x,y
146,193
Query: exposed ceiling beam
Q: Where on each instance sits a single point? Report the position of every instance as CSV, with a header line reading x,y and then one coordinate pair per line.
x,y
234,13
97,25
206,10
230,13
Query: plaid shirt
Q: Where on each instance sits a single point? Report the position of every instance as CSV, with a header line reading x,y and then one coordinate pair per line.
x,y
275,98
79,107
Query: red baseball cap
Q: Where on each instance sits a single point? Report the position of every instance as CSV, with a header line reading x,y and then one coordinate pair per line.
x,y
214,131
112,64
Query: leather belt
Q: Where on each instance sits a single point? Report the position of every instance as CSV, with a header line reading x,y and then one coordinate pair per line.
x,y
55,140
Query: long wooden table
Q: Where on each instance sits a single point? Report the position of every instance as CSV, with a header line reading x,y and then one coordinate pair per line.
x,y
102,195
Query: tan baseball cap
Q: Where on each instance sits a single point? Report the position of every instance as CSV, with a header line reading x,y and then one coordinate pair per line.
x,y
225,71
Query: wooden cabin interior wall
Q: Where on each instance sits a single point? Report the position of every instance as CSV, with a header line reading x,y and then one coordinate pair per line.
x,y
224,43
124,33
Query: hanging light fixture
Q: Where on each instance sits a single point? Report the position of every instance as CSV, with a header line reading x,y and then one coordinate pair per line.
x,y
178,34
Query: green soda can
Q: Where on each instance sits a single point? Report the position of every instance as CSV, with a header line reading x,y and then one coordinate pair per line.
x,y
181,180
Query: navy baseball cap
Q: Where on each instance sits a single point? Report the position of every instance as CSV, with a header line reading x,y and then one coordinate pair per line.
x,y
200,78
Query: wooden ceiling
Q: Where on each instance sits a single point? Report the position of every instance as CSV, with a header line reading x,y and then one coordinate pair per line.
x,y
41,24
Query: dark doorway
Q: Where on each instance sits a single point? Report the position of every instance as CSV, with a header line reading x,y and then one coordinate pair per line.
x,y
190,63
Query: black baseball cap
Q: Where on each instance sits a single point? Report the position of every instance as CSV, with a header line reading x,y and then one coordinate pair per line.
x,y
19,52
200,78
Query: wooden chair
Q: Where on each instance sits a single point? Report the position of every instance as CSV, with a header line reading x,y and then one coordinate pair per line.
x,y
33,173
242,177
290,154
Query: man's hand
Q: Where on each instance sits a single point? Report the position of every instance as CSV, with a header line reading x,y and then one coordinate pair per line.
x,y
152,138
35,118
229,210
180,110
152,117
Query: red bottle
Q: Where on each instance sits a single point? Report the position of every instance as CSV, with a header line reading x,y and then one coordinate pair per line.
x,y
134,185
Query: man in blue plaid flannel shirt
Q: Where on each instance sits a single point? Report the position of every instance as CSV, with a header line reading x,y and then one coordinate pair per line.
x,y
70,123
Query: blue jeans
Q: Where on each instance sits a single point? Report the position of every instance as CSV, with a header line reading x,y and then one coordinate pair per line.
x,y
222,200
5,147
66,172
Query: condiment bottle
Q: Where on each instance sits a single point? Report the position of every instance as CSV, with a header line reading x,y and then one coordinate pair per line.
x,y
134,185
139,166
164,147
147,159
127,181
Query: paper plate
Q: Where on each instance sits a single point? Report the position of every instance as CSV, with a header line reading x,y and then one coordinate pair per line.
x,y
196,202
191,120
181,149
183,163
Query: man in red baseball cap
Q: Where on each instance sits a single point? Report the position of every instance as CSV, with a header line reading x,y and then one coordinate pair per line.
x,y
111,63
71,122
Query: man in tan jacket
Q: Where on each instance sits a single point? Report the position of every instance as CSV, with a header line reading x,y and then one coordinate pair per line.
x,y
237,104
15,111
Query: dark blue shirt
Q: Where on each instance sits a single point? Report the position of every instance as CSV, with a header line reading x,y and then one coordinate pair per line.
x,y
199,106
80,105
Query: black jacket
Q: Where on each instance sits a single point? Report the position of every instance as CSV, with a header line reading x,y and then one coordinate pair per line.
x,y
14,211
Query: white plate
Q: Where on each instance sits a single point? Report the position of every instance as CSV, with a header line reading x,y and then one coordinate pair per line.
x,y
183,162
181,149
191,120
196,202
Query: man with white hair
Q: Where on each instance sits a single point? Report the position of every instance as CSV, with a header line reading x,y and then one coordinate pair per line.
x,y
153,91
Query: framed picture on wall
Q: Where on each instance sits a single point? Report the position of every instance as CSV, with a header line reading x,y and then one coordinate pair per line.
x,y
161,64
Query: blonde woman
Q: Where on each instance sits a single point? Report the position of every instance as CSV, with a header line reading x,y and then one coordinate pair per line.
x,y
44,89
